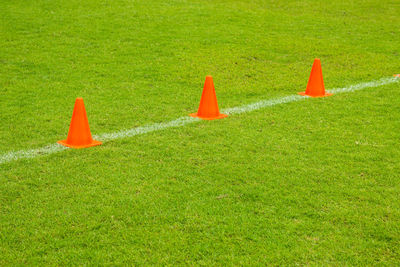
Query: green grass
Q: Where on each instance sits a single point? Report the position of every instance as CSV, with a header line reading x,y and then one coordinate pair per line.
x,y
314,182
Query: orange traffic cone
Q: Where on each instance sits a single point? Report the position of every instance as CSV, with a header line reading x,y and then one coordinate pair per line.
x,y
315,86
397,75
79,135
208,109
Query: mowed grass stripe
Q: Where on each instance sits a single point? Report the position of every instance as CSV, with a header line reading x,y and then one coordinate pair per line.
x,y
54,148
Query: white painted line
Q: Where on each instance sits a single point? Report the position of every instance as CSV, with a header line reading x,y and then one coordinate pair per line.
x,y
360,86
53,148
31,153
146,129
263,104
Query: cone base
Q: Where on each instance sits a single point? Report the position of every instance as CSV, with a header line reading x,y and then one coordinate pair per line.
x,y
220,116
93,143
304,94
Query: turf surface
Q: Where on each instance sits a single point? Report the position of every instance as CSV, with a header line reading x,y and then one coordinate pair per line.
x,y
310,182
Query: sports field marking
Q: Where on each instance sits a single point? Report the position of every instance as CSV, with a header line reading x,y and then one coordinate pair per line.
x,y
53,148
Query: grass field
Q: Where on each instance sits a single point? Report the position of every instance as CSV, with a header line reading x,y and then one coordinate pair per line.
x,y
313,182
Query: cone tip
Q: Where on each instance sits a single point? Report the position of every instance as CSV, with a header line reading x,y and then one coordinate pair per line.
x,y
208,77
